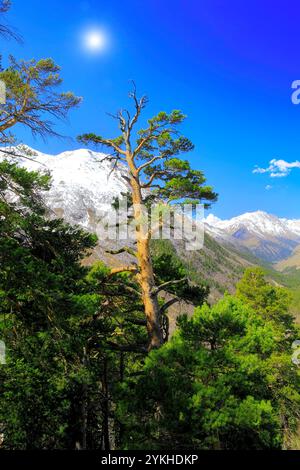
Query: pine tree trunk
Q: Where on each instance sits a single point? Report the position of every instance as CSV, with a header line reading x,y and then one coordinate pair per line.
x,y
146,275
150,300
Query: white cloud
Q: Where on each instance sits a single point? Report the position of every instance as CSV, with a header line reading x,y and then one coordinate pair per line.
x,y
278,168
268,187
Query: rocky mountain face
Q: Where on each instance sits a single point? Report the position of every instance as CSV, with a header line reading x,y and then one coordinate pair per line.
x,y
84,184
266,236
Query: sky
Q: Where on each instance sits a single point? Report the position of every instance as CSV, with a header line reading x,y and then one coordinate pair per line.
x,y
227,64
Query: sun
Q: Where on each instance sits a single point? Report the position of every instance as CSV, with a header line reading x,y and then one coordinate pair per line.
x,y
94,40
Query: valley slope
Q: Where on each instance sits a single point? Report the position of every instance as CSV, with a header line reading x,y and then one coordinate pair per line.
x,y
85,183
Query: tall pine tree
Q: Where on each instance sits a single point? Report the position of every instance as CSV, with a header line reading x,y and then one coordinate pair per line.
x,y
152,156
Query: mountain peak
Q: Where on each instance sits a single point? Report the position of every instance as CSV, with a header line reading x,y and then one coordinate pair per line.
x,y
85,183
211,219
265,235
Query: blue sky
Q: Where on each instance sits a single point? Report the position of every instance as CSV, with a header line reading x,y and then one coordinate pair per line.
x,y
228,64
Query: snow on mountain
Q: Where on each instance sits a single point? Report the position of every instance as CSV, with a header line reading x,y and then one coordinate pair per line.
x,y
266,236
84,183
259,222
293,225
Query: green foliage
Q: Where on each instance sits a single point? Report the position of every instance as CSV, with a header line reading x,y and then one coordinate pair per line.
x,y
39,275
168,267
77,367
270,301
32,97
154,158
56,318
220,383
64,325
172,178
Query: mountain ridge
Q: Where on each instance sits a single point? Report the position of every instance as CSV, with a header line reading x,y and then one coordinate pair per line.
x,y
266,236
85,182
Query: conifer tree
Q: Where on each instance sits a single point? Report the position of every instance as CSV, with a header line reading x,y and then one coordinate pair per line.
x,y
271,301
152,156
225,380
32,99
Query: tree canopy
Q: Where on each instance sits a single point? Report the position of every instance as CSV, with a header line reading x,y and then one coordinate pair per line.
x,y
223,381
32,98
152,157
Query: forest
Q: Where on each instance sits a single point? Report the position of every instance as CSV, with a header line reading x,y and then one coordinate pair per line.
x,y
90,360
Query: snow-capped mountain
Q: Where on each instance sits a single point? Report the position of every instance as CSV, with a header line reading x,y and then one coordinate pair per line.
x,y
259,222
85,183
266,236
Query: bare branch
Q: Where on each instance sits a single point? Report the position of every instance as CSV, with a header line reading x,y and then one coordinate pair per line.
x,y
151,179
149,162
108,143
169,304
169,283
123,269
6,30
112,157
12,153
132,290
126,178
139,106
125,249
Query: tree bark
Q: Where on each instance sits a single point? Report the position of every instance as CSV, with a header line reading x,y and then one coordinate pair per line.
x,y
145,274
150,301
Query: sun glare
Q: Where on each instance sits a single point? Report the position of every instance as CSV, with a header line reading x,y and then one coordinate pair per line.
x,y
94,40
